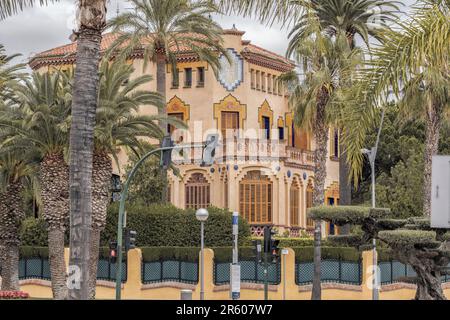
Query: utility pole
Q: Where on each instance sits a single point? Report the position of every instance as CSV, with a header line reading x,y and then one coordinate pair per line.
x,y
371,155
235,272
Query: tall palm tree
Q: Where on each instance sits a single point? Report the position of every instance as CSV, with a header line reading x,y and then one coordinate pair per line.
x,y
10,74
315,98
15,168
351,17
118,126
91,22
41,124
163,27
412,63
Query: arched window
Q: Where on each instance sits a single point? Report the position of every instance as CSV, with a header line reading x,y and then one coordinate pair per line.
x,y
309,203
197,192
295,204
255,195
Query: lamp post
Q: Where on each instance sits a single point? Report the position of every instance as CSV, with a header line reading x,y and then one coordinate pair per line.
x,y
202,215
372,155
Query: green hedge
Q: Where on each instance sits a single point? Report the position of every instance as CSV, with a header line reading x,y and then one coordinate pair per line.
x,y
341,215
168,226
33,252
33,232
150,254
306,254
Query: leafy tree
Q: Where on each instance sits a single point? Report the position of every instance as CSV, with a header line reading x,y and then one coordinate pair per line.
x,y
411,62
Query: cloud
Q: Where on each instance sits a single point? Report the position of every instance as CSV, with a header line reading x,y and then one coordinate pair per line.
x,y
42,28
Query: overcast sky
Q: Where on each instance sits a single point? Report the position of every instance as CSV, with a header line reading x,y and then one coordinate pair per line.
x,y
41,28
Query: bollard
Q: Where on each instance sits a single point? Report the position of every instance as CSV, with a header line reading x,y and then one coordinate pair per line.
x,y
186,294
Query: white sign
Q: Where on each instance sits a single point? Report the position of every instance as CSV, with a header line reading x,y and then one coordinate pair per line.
x,y
285,251
440,192
235,275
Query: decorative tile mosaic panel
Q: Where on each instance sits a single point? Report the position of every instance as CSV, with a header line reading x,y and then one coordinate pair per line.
x,y
231,74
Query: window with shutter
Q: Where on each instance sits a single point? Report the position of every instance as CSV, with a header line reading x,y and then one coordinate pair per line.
x,y
230,121
255,195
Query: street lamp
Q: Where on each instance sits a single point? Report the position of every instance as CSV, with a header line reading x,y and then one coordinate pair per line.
x,y
372,155
202,215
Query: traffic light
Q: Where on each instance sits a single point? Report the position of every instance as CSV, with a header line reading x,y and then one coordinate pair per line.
x,y
209,152
257,248
166,155
274,250
113,251
130,239
268,233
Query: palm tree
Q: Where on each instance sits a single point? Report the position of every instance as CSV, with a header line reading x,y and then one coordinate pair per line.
x,y
10,7
118,126
413,64
351,17
10,74
15,168
91,22
41,124
163,27
315,100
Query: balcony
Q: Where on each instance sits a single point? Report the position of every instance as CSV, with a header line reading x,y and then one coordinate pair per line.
x,y
249,150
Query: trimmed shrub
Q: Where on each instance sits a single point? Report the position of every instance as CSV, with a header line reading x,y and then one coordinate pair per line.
x,y
339,215
168,226
224,254
295,242
408,238
151,254
33,252
33,232
306,254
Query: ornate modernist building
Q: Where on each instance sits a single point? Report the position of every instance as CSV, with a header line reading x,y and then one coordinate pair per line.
x,y
264,168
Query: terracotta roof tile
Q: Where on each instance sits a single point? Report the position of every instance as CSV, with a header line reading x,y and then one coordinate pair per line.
x,y
66,54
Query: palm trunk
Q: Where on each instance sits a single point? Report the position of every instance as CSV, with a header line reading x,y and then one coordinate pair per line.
x,y
161,89
54,180
92,17
433,125
101,181
11,215
345,185
320,173
10,267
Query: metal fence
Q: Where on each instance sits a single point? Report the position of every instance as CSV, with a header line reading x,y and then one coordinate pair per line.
x,y
34,268
250,272
39,268
392,271
107,270
170,270
339,271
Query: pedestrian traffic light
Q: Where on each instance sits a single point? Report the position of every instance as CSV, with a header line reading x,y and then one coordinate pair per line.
x,y
130,239
274,250
268,233
209,151
166,155
113,251
257,248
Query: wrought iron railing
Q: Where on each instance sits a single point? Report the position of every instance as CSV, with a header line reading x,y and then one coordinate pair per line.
x,y
337,271
395,271
169,270
251,272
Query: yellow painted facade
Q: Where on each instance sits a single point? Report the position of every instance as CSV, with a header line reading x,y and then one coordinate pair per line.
x,y
258,99
287,289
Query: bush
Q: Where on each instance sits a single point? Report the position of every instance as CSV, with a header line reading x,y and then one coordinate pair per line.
x,y
150,254
167,226
33,232
306,254
33,252
295,242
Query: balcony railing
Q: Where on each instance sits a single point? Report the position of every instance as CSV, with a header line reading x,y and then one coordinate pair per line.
x,y
248,150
